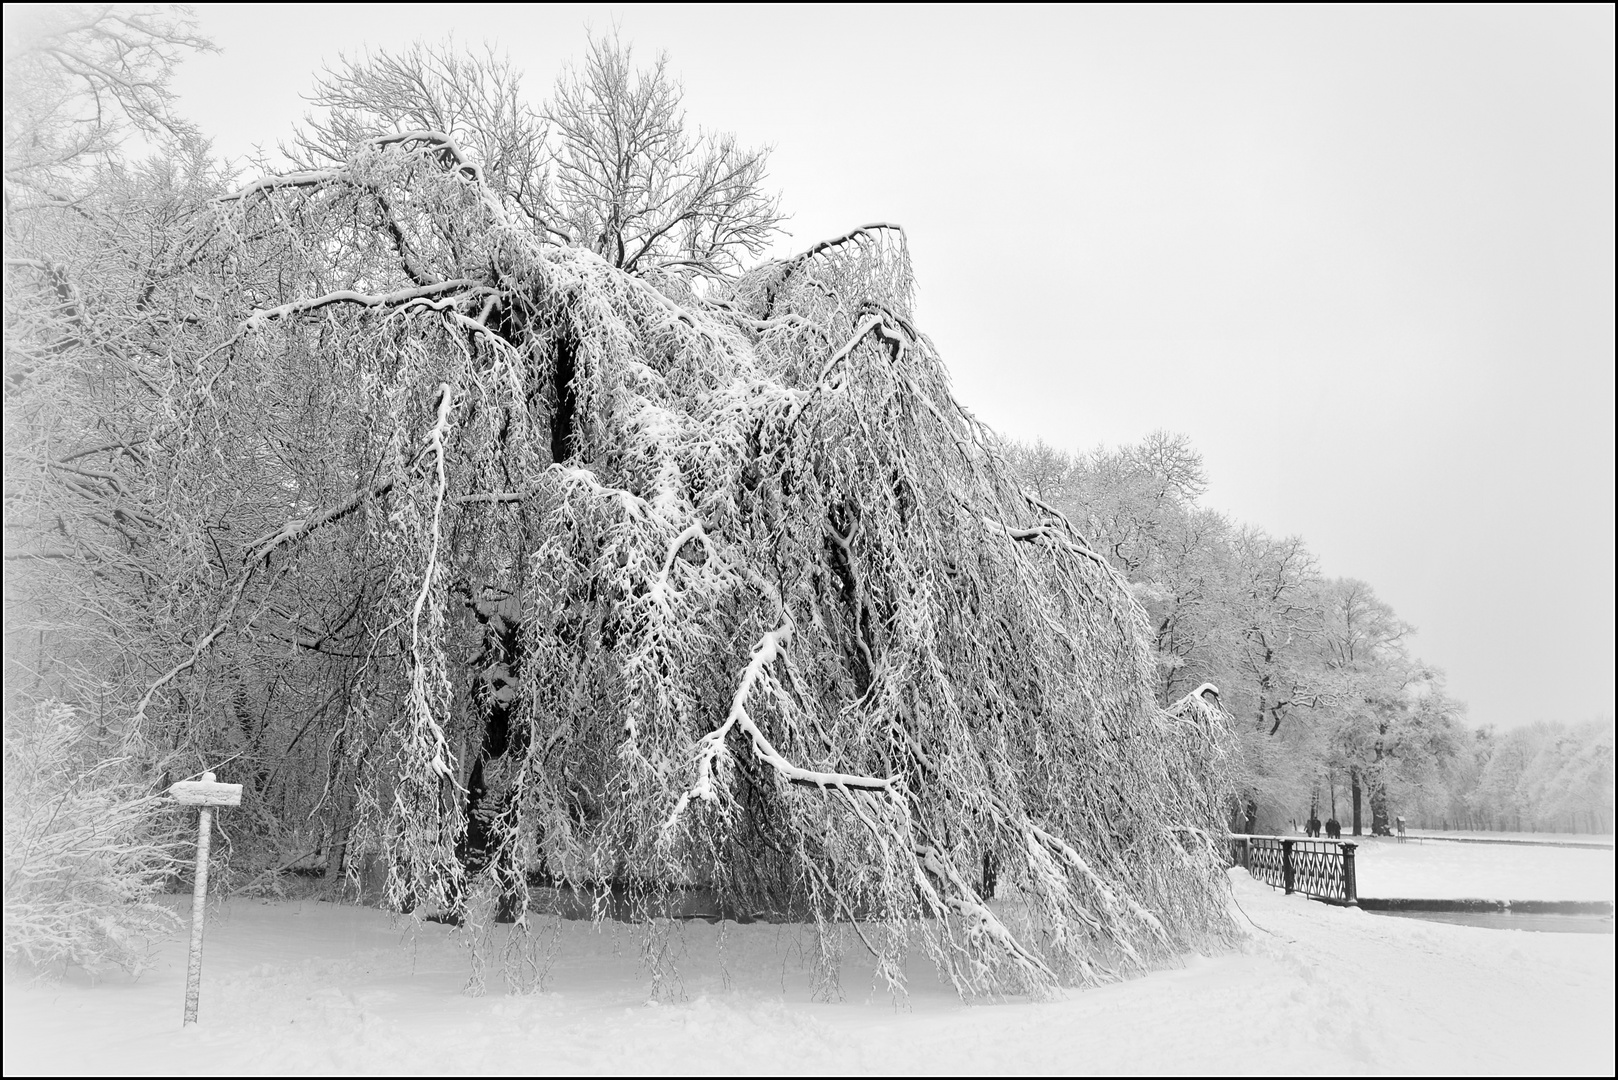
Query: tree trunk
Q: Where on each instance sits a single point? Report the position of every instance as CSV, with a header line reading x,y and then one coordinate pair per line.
x,y
337,854
1379,791
1379,811
1354,792
488,844
564,444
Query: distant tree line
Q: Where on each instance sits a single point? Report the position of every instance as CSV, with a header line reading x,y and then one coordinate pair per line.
x,y
1334,713
1546,777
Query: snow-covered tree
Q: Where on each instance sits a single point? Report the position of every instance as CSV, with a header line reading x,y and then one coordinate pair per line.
x,y
93,588
652,589
91,242
1573,780
491,556
93,246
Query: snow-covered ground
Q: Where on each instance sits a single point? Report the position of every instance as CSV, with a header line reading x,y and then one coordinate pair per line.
x,y
1447,870
313,987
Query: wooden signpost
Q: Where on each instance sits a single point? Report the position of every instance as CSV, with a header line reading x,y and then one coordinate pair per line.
x,y
207,794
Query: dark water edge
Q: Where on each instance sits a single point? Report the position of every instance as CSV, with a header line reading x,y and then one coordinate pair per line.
x,y
1536,922
1513,907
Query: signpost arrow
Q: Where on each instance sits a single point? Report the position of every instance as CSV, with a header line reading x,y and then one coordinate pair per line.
x,y
206,794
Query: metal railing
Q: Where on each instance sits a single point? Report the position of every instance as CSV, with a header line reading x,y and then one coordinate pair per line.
x,y
1320,868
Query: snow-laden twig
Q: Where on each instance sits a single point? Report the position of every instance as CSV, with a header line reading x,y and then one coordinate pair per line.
x,y
298,528
1059,538
659,591
862,232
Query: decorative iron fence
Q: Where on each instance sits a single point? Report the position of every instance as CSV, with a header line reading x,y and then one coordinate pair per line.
x,y
1320,868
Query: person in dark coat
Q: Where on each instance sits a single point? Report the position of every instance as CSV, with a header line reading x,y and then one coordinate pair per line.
x,y
1312,826
1334,830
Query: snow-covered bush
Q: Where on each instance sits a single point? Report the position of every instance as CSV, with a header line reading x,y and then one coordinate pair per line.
x,y
87,845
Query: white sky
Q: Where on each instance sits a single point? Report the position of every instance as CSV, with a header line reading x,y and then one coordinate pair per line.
x,y
1363,257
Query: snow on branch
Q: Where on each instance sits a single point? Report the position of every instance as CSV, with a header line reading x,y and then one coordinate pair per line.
x,y
258,552
450,154
435,297
303,179
298,528
863,232
1058,538
660,586
981,922
436,144
1108,895
877,324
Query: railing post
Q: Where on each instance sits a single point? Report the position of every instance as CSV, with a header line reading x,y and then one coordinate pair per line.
x,y
1286,865
1350,887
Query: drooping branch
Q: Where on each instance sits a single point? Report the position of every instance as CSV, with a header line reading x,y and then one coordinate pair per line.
x,y
420,697
770,648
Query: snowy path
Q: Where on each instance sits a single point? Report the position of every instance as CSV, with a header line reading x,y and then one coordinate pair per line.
x,y
314,987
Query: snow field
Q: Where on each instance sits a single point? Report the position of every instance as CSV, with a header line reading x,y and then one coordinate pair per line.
x,y
1450,871
313,987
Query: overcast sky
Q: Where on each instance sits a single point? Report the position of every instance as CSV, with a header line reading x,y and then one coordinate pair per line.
x,y
1363,257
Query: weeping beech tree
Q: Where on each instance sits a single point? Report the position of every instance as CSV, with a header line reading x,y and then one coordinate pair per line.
x,y
635,583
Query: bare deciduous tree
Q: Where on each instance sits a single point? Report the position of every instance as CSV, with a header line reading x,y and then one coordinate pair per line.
x,y
635,186
477,99
608,164
78,77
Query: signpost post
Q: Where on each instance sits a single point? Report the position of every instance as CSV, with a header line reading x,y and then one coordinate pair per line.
x,y
207,794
